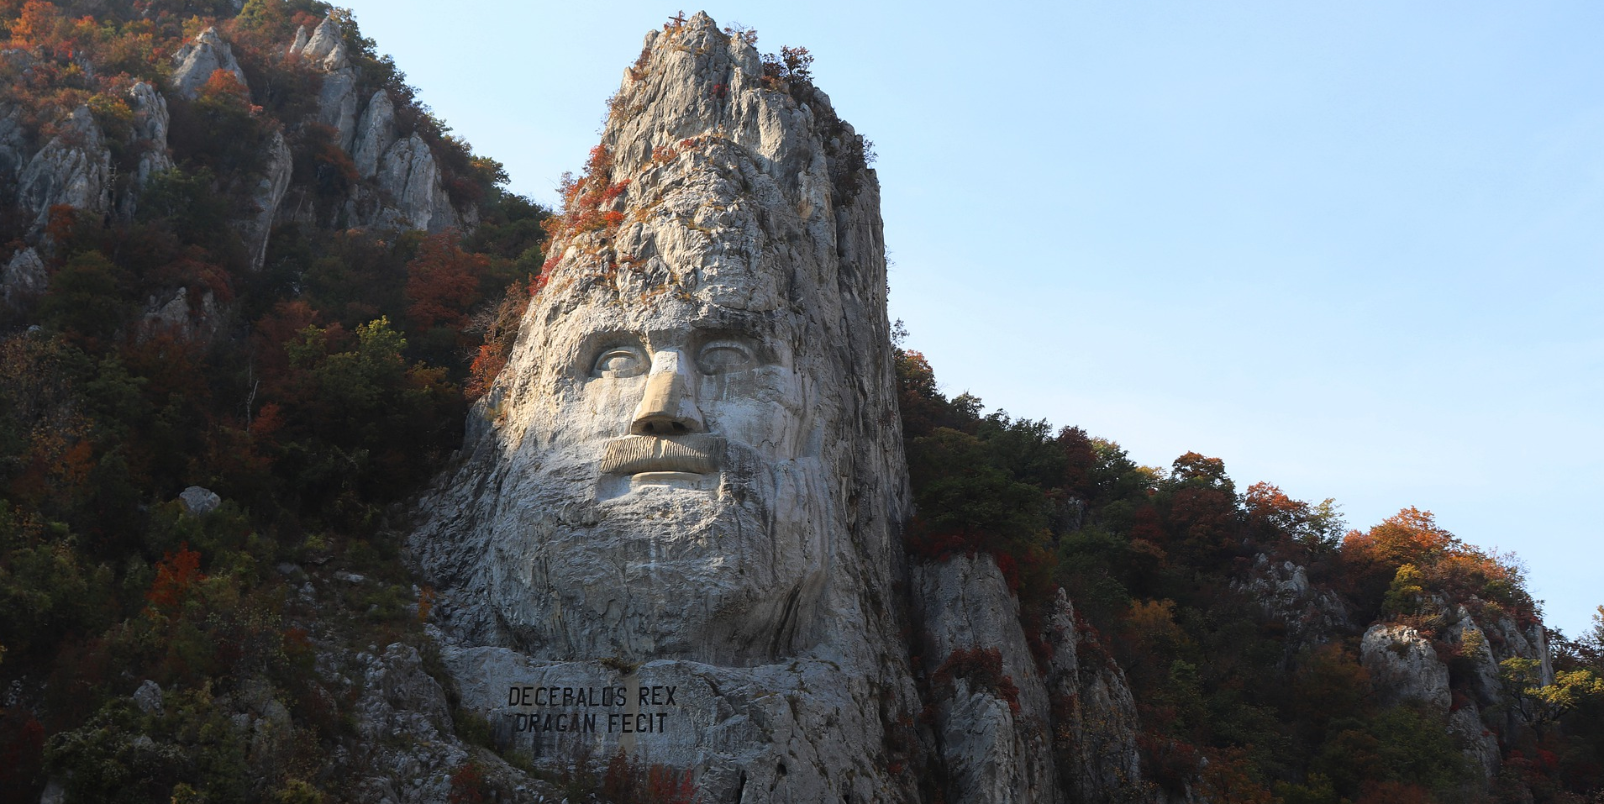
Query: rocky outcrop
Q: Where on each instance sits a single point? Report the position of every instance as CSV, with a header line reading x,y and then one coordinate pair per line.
x,y
23,279
266,197
406,724
1311,615
195,62
151,122
73,169
1063,728
410,177
1404,667
996,746
1094,716
149,140
325,51
176,314
14,150
375,133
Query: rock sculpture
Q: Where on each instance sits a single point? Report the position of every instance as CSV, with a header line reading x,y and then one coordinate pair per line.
x,y
674,528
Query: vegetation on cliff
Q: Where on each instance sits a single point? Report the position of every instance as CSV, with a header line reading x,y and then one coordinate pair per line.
x,y
1244,696
310,394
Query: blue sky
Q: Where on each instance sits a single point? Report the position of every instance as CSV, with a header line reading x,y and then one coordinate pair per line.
x,y
1355,249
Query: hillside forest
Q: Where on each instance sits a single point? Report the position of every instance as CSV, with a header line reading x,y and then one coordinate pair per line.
x,y
199,422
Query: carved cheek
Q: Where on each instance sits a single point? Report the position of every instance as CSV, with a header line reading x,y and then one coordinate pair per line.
x,y
762,409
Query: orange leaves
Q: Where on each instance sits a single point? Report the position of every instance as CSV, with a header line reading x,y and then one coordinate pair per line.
x,y
443,282
1410,536
223,83
175,575
486,365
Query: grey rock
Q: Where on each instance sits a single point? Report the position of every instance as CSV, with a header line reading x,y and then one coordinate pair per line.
x,y
410,176
325,51
149,698
55,792
1312,615
266,197
74,169
23,278
992,751
1073,734
151,124
199,501
375,133
1095,721
175,314
1403,666
14,149
1477,743
195,62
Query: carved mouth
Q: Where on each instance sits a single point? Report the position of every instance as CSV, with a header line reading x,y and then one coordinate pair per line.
x,y
634,455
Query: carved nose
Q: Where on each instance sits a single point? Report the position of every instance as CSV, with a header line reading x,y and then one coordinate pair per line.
x,y
668,408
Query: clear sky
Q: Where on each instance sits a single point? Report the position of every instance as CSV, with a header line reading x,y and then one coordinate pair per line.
x,y
1352,248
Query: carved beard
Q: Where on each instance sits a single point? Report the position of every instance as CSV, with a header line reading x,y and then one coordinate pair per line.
x,y
727,576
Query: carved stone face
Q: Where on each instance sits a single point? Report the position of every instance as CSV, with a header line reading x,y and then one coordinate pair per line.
x,y
681,503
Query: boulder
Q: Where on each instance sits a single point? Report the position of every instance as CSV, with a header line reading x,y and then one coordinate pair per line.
x,y
198,501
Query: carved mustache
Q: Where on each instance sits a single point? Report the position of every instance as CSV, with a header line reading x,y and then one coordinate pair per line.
x,y
698,454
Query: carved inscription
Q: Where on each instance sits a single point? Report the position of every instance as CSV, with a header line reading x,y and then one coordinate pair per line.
x,y
623,711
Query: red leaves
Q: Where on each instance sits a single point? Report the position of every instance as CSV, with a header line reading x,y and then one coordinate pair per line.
x,y
983,669
174,576
443,282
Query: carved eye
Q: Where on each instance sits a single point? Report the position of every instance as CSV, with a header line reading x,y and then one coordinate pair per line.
x,y
723,357
620,361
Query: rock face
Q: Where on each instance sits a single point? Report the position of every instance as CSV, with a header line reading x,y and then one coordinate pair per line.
x,y
325,50
23,278
195,62
996,747
1312,615
673,531
1064,728
411,177
1404,667
266,197
375,133
74,169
